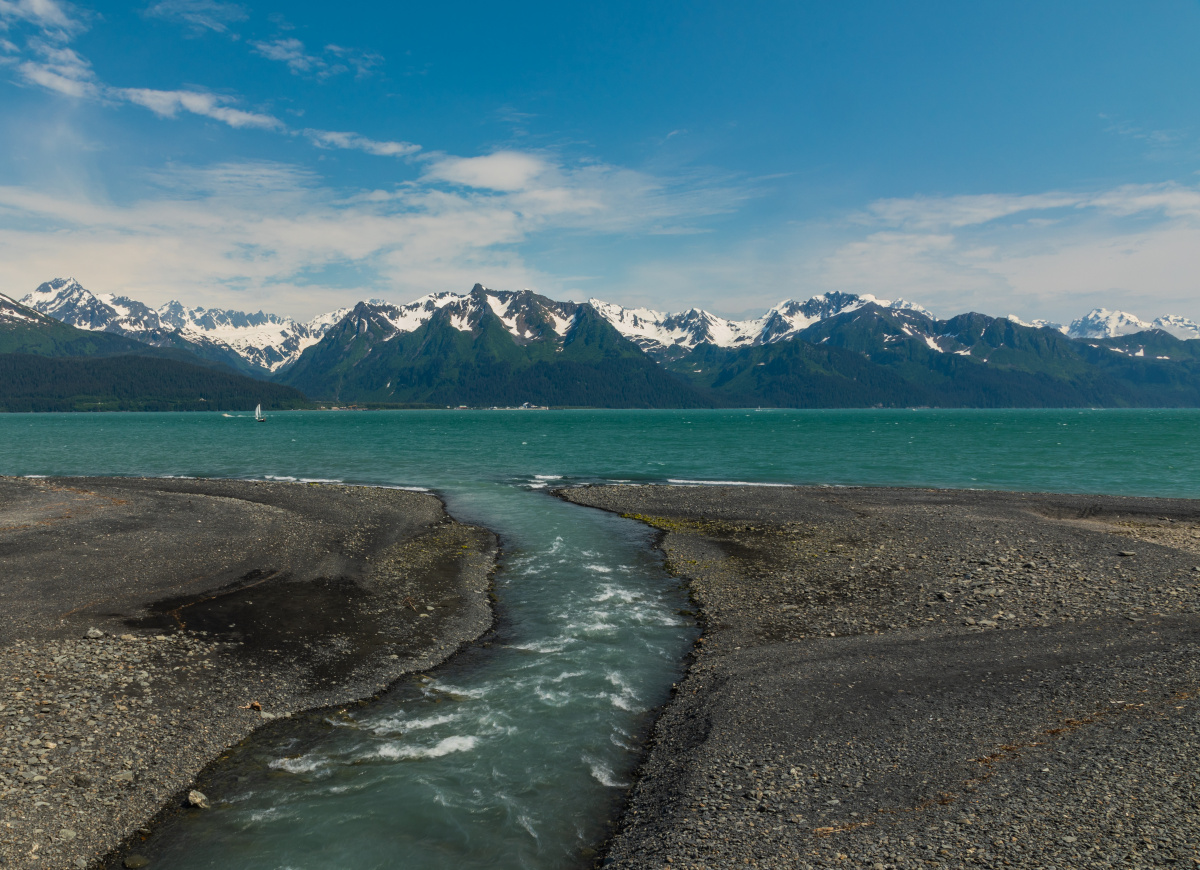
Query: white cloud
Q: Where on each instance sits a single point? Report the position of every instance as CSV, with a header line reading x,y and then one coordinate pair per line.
x,y
355,142
48,16
200,15
301,61
503,170
60,69
959,211
168,104
262,234
1056,255
290,51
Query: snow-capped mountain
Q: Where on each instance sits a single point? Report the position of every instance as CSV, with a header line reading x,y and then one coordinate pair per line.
x,y
266,341
1102,323
1180,327
526,316
1038,324
662,334
13,312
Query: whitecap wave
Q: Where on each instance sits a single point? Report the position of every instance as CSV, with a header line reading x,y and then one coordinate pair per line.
x,y
445,746
602,772
303,764
400,725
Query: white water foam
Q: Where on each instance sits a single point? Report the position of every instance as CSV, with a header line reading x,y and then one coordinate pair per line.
x,y
400,725
303,764
442,747
602,772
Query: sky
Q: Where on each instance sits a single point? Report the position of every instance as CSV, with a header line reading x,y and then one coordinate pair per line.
x,y
1029,158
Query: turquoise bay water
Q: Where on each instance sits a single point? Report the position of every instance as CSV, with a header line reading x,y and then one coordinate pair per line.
x,y
514,754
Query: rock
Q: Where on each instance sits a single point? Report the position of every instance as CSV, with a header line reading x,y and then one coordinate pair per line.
x,y
197,799
81,780
134,862
66,834
1126,553
124,777
94,633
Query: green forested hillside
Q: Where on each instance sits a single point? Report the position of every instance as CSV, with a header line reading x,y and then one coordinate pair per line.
x,y
886,358
131,383
361,360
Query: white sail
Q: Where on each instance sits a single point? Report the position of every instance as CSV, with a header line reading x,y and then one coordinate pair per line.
x,y
258,412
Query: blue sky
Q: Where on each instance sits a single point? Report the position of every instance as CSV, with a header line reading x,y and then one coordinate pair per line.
x,y
1029,158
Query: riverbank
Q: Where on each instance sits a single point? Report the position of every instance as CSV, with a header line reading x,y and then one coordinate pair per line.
x,y
152,623
903,678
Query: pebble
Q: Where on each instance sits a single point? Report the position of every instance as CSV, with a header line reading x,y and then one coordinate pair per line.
x,y
897,716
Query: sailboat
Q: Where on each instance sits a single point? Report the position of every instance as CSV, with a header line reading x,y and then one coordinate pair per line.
x,y
258,414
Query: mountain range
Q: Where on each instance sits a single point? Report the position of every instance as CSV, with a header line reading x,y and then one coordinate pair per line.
x,y
490,347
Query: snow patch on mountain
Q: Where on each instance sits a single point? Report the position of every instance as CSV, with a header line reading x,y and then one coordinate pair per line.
x,y
673,334
1180,327
1038,324
1102,323
12,311
264,340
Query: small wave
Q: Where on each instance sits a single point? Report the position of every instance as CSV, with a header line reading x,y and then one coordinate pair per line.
x,y
400,725
303,764
602,773
442,747
554,645
599,569
525,822
608,592
554,699
548,477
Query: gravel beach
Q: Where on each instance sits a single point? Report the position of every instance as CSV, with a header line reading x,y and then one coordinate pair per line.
x,y
150,624
915,678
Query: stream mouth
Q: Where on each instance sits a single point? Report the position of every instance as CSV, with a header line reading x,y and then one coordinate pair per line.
x,y
517,753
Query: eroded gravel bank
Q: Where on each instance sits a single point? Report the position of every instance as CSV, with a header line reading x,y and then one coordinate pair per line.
x,y
908,678
216,605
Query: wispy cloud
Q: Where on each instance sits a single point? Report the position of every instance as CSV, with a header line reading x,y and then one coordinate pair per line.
x,y
199,15
355,142
291,51
168,104
334,59
52,18
256,233
59,68
1054,254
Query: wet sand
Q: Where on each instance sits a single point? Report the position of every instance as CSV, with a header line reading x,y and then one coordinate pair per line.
x,y
917,678
151,624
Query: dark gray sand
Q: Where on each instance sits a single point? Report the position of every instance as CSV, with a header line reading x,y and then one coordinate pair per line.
x,y
213,606
912,678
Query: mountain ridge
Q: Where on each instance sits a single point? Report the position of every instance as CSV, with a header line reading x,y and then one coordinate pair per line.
x,y
504,347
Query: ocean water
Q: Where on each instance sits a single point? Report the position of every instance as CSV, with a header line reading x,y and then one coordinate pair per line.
x,y
516,754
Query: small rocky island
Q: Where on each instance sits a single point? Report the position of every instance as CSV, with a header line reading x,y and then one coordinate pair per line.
x,y
917,678
150,624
